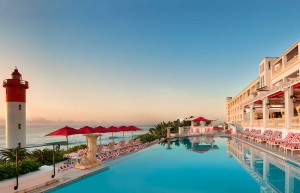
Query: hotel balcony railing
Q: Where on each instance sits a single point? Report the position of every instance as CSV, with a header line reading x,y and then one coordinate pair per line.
x,y
292,61
295,123
246,123
258,123
277,71
276,123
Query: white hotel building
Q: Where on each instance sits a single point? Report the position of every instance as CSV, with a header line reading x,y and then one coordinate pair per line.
x,y
272,100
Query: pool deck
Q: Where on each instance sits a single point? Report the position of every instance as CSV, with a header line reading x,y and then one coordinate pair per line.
x,y
69,176
293,159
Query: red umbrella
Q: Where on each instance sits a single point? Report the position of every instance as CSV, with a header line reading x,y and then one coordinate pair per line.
x,y
123,128
132,128
112,129
86,130
201,119
100,129
65,131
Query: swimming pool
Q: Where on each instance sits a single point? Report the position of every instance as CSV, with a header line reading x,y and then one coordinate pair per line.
x,y
185,165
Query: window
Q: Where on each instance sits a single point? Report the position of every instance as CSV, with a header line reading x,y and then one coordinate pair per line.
x,y
269,64
20,107
19,126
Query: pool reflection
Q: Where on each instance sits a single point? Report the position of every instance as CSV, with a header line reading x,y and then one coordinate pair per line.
x,y
271,173
199,144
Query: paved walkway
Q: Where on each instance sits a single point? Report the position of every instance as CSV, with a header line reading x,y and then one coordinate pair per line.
x,y
69,176
293,159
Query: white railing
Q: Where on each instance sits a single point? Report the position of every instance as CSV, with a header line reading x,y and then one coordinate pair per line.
x,y
258,123
277,71
246,123
276,123
292,61
295,124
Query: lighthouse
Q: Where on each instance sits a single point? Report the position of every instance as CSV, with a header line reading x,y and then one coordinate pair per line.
x,y
16,110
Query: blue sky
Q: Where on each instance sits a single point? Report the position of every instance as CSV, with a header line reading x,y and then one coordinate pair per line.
x,y
139,61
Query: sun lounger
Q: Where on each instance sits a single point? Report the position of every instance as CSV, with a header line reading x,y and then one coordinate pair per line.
x,y
292,145
244,132
279,142
65,167
275,135
266,133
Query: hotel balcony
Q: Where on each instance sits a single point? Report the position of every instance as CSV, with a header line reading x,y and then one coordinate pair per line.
x,y
277,68
276,123
295,123
258,123
246,123
292,61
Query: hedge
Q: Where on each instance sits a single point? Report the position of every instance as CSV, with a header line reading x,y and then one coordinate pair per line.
x,y
8,170
148,137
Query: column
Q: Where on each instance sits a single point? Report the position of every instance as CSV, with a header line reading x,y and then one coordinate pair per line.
x,y
289,181
252,158
243,116
289,108
265,113
251,116
168,133
266,167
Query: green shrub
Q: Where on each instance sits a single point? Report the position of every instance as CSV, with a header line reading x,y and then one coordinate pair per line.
x,y
45,156
8,170
148,137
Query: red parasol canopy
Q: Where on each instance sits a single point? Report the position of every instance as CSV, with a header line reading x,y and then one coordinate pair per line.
x,y
87,130
65,131
133,128
201,119
123,128
100,129
112,129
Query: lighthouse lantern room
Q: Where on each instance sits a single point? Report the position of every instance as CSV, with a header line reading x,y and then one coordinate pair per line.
x,y
16,110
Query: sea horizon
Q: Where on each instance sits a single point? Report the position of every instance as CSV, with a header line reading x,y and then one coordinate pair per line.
x,y
35,135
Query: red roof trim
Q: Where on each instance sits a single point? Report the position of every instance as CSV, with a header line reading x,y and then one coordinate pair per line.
x,y
276,94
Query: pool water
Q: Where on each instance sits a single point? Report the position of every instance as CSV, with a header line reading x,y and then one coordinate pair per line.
x,y
186,165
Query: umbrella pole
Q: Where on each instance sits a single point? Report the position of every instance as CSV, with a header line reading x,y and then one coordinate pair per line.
x,y
123,135
112,134
67,143
131,134
100,139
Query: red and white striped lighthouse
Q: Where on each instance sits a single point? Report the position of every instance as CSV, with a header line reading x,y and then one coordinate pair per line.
x,y
16,110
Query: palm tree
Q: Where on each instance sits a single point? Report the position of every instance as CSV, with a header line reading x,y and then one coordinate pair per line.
x,y
9,155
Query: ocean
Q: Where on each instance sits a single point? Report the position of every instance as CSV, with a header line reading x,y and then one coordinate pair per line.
x,y
35,136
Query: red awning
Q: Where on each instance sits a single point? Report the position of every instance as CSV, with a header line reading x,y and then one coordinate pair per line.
x,y
275,94
257,102
296,85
